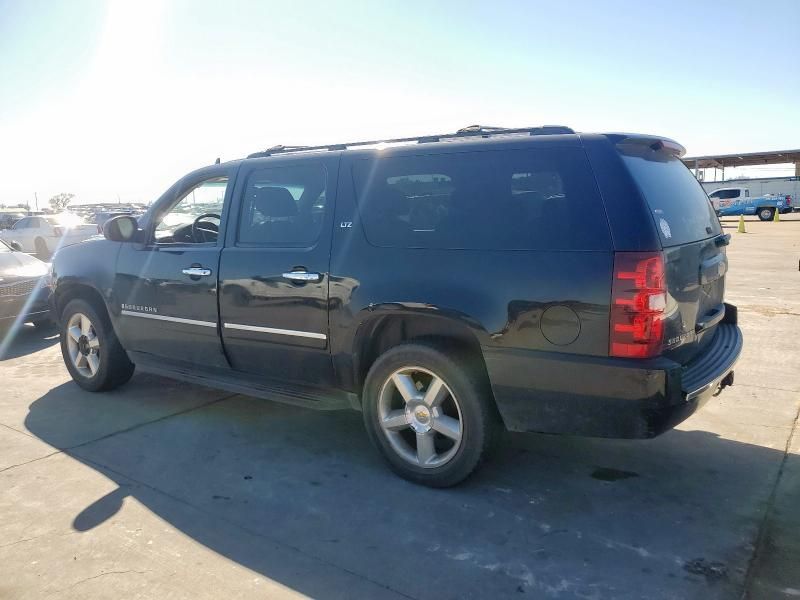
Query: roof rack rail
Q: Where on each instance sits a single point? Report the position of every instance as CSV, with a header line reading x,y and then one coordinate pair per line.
x,y
483,131
478,129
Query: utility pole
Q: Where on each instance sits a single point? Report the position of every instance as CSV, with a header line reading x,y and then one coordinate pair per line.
x,y
36,200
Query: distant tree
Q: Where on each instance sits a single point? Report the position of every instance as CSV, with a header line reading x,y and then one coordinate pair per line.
x,y
60,201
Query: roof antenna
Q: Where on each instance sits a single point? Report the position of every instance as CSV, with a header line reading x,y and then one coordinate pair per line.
x,y
216,162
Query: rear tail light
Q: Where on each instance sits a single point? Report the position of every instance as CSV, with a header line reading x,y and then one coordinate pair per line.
x,y
788,200
638,303
58,231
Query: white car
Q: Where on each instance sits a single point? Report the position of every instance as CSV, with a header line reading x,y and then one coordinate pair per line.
x,y
43,235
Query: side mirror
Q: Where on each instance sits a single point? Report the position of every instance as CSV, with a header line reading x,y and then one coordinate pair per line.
x,y
121,229
15,245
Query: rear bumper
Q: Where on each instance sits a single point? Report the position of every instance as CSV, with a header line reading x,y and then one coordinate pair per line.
x,y
603,397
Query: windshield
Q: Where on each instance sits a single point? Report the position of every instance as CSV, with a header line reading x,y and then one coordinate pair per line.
x,y
679,205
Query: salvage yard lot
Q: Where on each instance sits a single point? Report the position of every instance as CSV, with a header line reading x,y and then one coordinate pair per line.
x,y
164,490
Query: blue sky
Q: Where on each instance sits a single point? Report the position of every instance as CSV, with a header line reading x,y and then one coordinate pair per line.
x,y
122,98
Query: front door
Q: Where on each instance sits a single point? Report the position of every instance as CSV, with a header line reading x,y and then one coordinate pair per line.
x,y
274,271
166,287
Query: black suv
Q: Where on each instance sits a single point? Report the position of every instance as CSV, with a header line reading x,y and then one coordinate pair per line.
x,y
446,286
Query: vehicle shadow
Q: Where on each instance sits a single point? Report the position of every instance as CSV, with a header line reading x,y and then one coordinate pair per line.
x,y
25,340
300,497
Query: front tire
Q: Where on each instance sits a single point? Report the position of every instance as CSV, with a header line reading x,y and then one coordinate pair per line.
x,y
766,214
93,355
430,416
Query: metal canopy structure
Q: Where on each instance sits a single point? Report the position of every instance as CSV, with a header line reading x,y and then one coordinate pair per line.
x,y
745,159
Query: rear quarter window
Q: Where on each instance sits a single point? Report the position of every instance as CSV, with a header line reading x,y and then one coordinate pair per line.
x,y
500,199
679,205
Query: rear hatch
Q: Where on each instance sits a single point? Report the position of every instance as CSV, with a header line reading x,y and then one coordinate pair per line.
x,y
693,245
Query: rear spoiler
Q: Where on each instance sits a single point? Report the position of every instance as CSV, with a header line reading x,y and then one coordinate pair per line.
x,y
655,142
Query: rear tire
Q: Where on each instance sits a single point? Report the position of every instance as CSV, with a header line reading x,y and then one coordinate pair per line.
x,y
42,252
92,353
431,417
766,214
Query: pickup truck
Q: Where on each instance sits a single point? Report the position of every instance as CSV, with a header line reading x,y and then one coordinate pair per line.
x,y
735,201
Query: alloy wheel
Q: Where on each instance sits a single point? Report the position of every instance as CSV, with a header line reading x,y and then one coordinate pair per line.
x,y
83,345
420,417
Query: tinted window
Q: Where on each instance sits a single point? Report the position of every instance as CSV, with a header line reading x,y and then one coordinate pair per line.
x,y
680,207
726,194
284,206
22,224
513,199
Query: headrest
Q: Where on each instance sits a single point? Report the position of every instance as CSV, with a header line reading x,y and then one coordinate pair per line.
x,y
275,202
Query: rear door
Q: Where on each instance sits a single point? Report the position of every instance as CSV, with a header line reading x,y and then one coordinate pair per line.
x,y
693,245
274,270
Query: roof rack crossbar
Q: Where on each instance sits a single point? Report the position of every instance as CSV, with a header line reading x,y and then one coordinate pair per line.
x,y
471,131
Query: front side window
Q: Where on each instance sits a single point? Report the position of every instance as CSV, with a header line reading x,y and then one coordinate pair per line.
x,y
283,206
195,218
510,199
22,224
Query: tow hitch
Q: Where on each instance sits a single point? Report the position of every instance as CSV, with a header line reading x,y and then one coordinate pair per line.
x,y
726,381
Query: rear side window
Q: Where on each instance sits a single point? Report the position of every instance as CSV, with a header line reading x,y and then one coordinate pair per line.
x,y
284,206
679,205
512,199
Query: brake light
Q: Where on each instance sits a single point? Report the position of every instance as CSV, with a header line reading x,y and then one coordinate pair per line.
x,y
788,200
58,231
638,304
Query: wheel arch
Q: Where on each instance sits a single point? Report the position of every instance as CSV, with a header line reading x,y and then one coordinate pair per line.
x,y
67,292
384,330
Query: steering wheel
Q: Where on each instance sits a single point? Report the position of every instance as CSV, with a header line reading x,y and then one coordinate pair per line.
x,y
209,232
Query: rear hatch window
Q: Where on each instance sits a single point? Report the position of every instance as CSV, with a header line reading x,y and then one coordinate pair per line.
x,y
695,264
679,205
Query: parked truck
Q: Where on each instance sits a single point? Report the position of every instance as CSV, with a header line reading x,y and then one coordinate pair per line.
x,y
735,201
760,186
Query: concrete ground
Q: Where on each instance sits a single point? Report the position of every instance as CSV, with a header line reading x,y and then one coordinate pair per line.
x,y
163,490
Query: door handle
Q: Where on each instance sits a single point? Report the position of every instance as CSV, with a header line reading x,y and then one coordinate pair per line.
x,y
197,272
302,276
